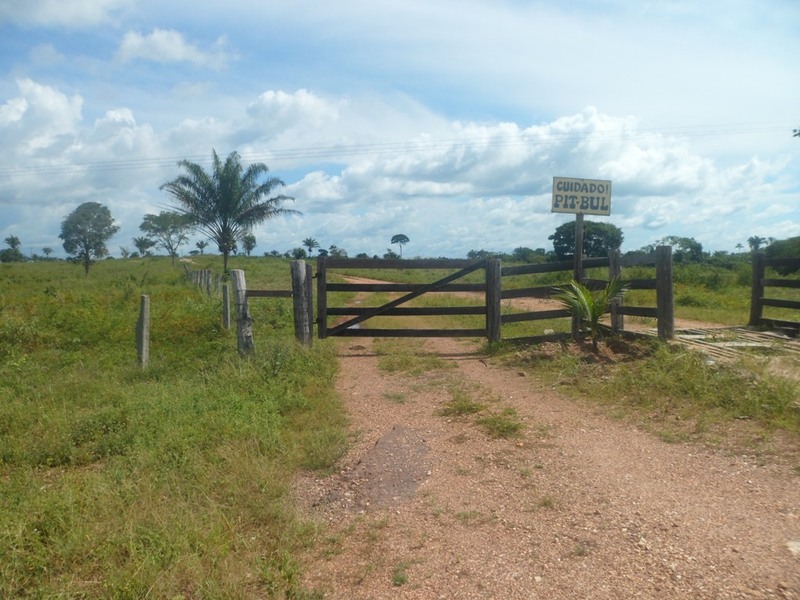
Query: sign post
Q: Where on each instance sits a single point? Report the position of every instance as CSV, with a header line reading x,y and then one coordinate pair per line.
x,y
580,197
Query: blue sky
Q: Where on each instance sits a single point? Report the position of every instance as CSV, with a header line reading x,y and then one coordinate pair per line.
x,y
445,120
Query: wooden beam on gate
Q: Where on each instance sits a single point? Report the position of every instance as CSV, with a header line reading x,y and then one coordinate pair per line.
x,y
422,289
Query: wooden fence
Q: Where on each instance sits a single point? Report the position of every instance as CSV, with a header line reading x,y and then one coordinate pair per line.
x,y
491,288
758,299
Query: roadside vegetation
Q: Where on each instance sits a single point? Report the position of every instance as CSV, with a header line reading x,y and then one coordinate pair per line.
x,y
172,481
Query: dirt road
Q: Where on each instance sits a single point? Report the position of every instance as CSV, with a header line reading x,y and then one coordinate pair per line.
x,y
578,506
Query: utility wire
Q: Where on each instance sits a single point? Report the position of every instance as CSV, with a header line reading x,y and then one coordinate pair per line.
x,y
535,136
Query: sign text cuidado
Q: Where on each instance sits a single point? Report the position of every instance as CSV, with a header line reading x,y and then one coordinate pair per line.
x,y
587,196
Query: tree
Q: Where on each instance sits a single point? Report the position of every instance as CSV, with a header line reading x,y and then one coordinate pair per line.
x,y
123,250
227,203
598,239
401,240
589,306
85,232
47,251
755,242
310,243
249,243
143,245
391,254
685,249
298,253
12,253
201,245
336,252
789,248
169,230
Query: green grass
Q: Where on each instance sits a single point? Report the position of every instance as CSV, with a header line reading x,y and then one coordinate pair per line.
x,y
169,481
675,382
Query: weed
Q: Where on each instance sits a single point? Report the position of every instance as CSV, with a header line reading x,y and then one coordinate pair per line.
x,y
460,404
505,424
400,574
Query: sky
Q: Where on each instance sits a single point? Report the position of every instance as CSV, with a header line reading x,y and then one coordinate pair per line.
x,y
442,120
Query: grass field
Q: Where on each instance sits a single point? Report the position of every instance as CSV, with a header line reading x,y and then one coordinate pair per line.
x,y
166,482
173,481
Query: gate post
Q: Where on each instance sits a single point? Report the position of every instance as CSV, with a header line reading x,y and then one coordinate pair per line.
x,y
301,299
143,331
322,298
665,305
615,270
244,322
493,299
757,290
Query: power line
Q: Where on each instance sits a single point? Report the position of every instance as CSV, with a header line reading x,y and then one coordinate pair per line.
x,y
533,136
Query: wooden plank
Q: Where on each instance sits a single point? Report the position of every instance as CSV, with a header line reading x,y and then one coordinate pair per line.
x,y
540,315
534,292
539,339
423,289
493,304
638,259
372,263
415,333
322,298
756,289
777,303
780,323
781,283
641,284
269,293
403,287
143,331
412,311
538,268
781,262
638,311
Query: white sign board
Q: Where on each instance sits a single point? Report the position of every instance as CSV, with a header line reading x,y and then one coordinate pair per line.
x,y
586,196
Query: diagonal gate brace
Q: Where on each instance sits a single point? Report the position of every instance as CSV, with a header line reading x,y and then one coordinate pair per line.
x,y
423,289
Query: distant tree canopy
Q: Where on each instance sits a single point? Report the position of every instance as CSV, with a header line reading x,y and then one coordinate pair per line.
x,y
401,240
169,230
598,239
85,232
789,248
12,253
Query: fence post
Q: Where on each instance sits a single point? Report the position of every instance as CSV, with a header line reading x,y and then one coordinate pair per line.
x,y
615,270
143,332
301,294
244,322
665,305
493,299
322,299
226,307
757,289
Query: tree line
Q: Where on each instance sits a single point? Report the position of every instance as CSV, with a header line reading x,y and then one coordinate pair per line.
x,y
226,203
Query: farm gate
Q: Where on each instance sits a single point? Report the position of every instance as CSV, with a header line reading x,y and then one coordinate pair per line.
x,y
489,287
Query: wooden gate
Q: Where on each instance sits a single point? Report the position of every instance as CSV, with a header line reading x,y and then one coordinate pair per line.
x,y
351,327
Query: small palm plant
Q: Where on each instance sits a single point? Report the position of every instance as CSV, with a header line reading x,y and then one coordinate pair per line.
x,y
589,306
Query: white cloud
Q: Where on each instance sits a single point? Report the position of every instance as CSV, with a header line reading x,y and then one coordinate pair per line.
x,y
38,118
77,14
168,45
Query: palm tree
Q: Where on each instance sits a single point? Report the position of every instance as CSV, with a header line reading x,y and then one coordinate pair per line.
x,y
310,243
249,243
201,245
589,306
229,201
401,240
143,245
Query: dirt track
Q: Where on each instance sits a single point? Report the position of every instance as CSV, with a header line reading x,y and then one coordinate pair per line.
x,y
580,506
